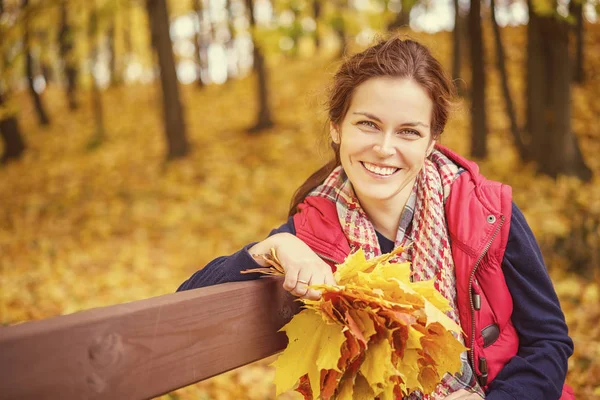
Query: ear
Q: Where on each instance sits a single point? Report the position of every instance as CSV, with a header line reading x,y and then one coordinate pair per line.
x,y
430,147
334,133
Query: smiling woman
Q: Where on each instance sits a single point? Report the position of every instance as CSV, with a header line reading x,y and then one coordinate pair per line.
x,y
390,184
384,140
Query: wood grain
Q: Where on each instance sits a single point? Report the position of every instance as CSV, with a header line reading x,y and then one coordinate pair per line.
x,y
146,348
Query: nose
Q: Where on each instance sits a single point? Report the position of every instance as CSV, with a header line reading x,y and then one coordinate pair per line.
x,y
384,146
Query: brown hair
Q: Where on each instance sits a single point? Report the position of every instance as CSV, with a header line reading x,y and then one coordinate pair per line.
x,y
395,57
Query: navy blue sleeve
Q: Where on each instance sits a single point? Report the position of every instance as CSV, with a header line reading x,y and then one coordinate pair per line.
x,y
228,268
539,369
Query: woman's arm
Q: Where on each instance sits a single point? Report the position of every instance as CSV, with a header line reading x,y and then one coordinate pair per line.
x,y
302,266
228,268
539,369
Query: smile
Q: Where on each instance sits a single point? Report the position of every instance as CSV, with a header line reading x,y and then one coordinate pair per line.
x,y
376,169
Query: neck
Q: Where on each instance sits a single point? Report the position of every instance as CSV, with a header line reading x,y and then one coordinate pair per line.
x,y
385,214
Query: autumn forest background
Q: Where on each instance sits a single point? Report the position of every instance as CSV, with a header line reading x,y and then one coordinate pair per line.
x,y
141,139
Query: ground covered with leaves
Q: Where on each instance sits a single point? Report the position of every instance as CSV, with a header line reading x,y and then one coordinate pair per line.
x,y
84,226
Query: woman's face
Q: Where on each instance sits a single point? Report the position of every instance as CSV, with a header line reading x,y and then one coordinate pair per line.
x,y
384,139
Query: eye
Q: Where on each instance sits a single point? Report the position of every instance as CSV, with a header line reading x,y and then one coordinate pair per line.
x,y
410,133
369,124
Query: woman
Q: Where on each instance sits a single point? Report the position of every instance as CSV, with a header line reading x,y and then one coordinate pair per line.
x,y
391,184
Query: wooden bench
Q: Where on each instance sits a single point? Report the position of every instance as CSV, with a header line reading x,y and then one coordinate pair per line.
x,y
146,348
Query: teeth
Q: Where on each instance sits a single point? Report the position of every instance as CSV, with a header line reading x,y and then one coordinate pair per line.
x,y
380,170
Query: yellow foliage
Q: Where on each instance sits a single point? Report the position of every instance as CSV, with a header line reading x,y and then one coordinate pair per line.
x,y
313,346
85,229
366,321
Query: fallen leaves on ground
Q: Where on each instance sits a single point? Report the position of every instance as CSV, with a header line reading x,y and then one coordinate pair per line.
x,y
82,229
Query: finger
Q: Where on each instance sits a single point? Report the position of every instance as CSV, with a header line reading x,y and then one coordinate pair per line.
x,y
312,294
291,279
330,280
317,279
304,279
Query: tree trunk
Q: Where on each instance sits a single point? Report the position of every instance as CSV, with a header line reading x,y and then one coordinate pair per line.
x,y
535,86
45,63
402,18
173,109
510,109
264,120
98,112
11,135
29,68
338,24
478,111
115,79
66,40
317,15
560,152
199,42
456,49
14,146
127,41
576,9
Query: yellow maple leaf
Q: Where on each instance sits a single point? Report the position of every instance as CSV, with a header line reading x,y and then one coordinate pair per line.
x,y
313,346
443,348
364,321
429,378
362,389
414,338
435,315
428,290
409,371
377,366
357,262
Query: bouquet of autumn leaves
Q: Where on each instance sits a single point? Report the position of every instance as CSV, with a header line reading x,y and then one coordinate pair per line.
x,y
375,334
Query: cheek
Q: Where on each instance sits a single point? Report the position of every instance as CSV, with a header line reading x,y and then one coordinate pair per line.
x,y
416,157
351,145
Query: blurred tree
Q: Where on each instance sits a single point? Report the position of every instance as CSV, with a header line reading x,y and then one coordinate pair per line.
x,y
127,41
14,146
508,102
115,79
175,131
230,45
402,17
338,23
457,48
45,63
576,10
317,8
478,111
264,120
29,65
199,45
10,132
552,143
67,55
98,111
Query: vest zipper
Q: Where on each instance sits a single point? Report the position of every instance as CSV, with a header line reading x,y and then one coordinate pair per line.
x,y
485,250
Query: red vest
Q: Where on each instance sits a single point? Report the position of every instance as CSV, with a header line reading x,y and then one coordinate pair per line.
x,y
478,214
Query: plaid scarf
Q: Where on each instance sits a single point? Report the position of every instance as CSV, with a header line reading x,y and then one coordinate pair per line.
x,y
422,223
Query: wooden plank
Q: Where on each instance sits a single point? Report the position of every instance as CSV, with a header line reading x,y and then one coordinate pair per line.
x,y
145,348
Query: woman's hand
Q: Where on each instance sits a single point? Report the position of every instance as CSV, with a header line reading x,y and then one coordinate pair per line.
x,y
462,394
302,266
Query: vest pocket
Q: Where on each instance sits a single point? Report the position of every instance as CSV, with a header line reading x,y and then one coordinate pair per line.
x,y
490,334
484,315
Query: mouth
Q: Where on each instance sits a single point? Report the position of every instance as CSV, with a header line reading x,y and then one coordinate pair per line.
x,y
382,171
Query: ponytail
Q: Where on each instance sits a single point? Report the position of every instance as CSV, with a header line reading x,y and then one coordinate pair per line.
x,y
314,180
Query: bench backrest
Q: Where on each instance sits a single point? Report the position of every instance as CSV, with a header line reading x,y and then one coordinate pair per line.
x,y
146,348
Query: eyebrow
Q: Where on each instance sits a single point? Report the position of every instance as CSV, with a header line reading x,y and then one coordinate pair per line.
x,y
373,117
